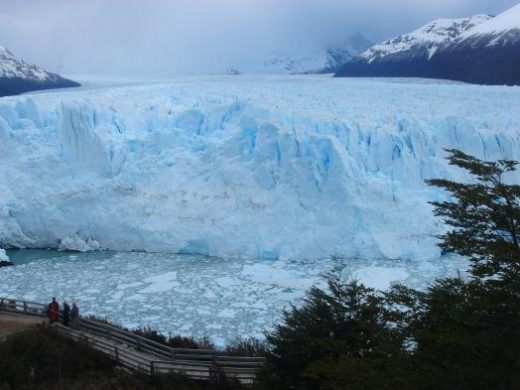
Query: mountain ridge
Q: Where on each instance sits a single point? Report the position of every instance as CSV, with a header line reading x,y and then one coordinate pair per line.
x,y
327,60
17,76
480,49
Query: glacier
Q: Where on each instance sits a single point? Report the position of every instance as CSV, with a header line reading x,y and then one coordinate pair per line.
x,y
269,167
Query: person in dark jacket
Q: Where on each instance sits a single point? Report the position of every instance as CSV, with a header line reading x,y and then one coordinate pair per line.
x,y
74,315
66,314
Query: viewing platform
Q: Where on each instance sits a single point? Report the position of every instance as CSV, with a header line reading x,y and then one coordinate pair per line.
x,y
129,350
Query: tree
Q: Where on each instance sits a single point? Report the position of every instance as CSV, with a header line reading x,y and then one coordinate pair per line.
x,y
485,215
339,335
469,335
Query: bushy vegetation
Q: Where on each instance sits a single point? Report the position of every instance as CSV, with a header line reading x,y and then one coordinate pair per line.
x,y
44,359
247,347
238,347
175,341
458,334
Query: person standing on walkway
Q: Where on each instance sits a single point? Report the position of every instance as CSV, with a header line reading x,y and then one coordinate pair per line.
x,y
66,314
74,315
53,311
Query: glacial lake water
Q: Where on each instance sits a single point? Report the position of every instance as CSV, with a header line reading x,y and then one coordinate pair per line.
x,y
195,295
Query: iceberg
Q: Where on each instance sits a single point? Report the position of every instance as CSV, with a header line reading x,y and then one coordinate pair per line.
x,y
272,167
77,244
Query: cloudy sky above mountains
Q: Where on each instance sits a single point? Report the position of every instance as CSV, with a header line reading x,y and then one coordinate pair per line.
x,y
162,38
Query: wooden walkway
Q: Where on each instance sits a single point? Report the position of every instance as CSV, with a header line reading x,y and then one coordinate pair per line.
x,y
12,323
134,352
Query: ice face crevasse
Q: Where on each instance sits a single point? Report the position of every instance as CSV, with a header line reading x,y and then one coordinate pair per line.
x,y
262,167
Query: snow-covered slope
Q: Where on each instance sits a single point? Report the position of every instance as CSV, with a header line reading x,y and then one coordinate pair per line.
x,y
503,30
425,41
328,60
271,167
481,49
16,76
502,25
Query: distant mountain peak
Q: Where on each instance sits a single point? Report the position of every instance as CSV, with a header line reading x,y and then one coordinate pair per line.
x,y
425,40
17,76
328,60
481,49
506,21
500,30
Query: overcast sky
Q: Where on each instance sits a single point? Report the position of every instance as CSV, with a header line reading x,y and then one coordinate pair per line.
x,y
161,38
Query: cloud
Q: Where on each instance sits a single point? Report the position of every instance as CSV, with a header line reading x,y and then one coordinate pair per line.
x,y
167,37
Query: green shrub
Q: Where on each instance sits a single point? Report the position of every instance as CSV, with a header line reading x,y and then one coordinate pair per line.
x,y
247,347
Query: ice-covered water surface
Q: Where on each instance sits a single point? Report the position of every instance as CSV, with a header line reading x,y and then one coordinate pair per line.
x,y
194,295
253,167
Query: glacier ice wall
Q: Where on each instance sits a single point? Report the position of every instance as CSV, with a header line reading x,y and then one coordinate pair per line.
x,y
272,167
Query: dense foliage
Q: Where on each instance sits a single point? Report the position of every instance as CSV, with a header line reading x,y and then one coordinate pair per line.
x,y
458,334
484,215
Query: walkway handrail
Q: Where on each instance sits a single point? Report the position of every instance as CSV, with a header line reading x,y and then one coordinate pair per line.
x,y
25,307
166,356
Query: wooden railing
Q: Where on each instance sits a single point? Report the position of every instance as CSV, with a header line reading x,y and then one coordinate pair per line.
x,y
24,307
142,354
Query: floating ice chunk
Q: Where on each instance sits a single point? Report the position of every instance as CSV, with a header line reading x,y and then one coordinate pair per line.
x,y
261,273
226,281
226,313
165,277
161,283
118,295
76,243
92,291
3,255
136,297
380,278
209,295
124,286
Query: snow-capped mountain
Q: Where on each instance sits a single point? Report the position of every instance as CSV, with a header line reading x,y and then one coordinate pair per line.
x,y
328,60
502,30
424,42
16,76
481,49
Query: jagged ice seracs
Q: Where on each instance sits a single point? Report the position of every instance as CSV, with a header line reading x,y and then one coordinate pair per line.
x,y
273,167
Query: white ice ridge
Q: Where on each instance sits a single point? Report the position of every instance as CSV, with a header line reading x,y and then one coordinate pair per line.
x,y
272,167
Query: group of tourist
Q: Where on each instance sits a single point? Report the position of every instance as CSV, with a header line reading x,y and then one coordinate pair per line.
x,y
68,315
